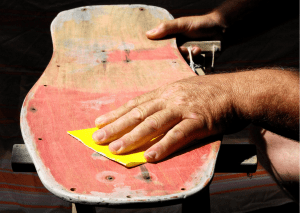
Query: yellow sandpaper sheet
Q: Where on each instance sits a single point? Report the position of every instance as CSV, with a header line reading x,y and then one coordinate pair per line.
x,y
129,160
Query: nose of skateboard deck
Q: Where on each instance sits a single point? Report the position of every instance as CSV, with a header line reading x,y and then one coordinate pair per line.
x,y
101,59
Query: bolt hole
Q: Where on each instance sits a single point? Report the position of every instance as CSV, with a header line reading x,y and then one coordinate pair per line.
x,y
110,178
73,189
141,9
33,109
84,9
58,65
128,196
127,61
147,178
45,85
103,51
182,189
40,139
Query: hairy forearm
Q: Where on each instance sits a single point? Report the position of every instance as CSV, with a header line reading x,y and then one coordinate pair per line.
x,y
269,98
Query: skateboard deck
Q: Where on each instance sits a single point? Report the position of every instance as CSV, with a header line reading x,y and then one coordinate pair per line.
x,y
102,59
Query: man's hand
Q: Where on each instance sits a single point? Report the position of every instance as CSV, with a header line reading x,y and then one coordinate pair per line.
x,y
205,27
188,109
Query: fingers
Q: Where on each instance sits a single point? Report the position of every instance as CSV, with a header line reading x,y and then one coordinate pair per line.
x,y
176,138
150,128
115,114
174,26
184,51
127,122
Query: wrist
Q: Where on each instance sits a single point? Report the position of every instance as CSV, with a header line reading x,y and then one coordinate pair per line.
x,y
268,98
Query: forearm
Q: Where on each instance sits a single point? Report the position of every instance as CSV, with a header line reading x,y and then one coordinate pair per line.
x,y
232,10
269,98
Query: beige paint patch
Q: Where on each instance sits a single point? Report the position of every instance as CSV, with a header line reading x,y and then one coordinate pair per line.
x,y
98,103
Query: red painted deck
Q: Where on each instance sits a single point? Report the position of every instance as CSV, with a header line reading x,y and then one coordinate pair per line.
x,y
90,74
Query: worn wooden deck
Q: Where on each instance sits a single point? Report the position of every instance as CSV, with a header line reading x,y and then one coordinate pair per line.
x,y
102,59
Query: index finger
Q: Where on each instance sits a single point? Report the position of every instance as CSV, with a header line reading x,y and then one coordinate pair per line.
x,y
175,26
111,116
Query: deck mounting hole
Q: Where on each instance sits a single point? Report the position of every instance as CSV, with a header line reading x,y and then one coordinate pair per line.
x,y
147,177
110,178
73,189
182,189
142,9
128,196
84,9
40,139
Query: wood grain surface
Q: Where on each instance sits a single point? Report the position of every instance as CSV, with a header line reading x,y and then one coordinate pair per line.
x,y
102,59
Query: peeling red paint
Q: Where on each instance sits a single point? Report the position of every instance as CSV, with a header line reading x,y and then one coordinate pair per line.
x,y
67,110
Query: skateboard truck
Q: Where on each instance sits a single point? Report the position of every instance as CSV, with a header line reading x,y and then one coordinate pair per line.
x,y
208,48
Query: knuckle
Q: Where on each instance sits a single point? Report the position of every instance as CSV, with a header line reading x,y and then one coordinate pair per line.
x,y
111,117
194,116
108,130
163,26
152,123
129,141
176,134
138,113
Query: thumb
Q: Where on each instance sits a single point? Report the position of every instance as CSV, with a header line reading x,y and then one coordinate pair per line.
x,y
174,26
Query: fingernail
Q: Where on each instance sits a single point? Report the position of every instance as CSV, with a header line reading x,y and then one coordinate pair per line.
x,y
150,32
194,50
99,121
151,154
98,136
115,146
